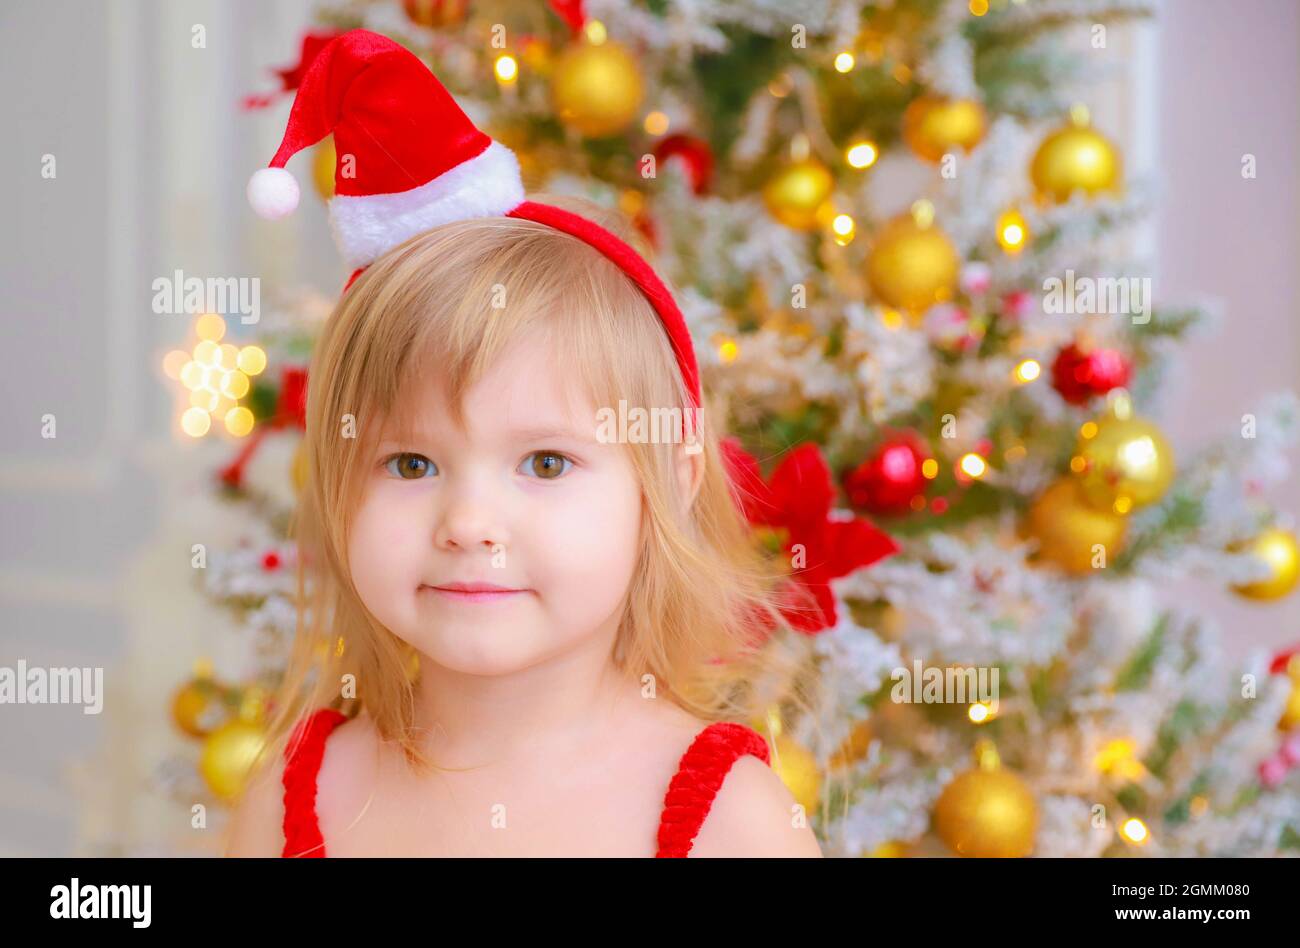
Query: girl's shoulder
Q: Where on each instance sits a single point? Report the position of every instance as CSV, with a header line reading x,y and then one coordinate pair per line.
x,y
751,811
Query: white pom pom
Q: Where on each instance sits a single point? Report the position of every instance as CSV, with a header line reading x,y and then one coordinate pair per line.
x,y
273,193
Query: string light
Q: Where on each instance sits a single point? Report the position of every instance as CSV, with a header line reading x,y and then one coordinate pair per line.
x,y
195,422
843,228
728,350
981,712
239,421
844,62
210,326
1135,831
216,376
656,123
207,352
929,469
1012,230
252,360
1028,370
862,154
174,363
506,68
979,7
973,466
595,31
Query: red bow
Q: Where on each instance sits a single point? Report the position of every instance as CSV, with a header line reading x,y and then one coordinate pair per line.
x,y
290,410
291,78
799,499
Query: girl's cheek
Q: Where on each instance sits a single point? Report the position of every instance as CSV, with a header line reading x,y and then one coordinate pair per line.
x,y
601,521
387,522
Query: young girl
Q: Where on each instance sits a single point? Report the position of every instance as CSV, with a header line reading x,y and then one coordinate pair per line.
x,y
520,636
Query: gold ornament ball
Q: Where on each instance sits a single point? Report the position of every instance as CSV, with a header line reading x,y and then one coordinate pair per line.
x,y
935,125
197,707
228,755
1074,158
797,767
323,162
894,849
1067,527
436,13
596,90
797,193
987,814
911,267
1127,461
1277,548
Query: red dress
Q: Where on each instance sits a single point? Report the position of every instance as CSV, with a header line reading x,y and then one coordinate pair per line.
x,y
690,794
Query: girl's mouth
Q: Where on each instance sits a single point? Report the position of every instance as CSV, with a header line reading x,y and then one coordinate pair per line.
x,y
475,592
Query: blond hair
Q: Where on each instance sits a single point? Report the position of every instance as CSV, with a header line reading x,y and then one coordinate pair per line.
x,y
701,593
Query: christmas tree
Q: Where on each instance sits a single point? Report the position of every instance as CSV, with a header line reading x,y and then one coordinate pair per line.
x,y
975,369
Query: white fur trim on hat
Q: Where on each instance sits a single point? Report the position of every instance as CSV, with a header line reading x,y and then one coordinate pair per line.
x,y
367,226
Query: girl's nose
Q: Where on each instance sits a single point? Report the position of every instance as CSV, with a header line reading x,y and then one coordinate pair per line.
x,y
470,522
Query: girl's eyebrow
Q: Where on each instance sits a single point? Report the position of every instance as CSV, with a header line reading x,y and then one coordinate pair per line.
x,y
542,432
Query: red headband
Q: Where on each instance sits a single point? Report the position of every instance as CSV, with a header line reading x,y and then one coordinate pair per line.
x,y
410,160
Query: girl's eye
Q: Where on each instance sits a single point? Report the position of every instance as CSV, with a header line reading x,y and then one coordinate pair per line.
x,y
546,465
410,466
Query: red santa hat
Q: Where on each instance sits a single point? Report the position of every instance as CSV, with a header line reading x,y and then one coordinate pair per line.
x,y
415,161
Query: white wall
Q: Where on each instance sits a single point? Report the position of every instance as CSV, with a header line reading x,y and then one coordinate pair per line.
x,y
1228,77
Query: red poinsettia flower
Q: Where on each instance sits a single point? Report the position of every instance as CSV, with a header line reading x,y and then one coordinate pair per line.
x,y
799,499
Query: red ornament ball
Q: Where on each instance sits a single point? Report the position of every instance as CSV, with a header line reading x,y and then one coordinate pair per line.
x,y
1079,374
886,482
694,153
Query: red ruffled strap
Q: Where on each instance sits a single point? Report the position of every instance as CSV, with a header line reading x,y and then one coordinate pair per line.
x,y
699,777
303,755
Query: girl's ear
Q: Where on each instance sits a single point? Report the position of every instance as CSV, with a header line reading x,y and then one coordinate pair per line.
x,y
690,470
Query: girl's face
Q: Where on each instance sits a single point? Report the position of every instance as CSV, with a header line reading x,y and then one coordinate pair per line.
x,y
525,499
